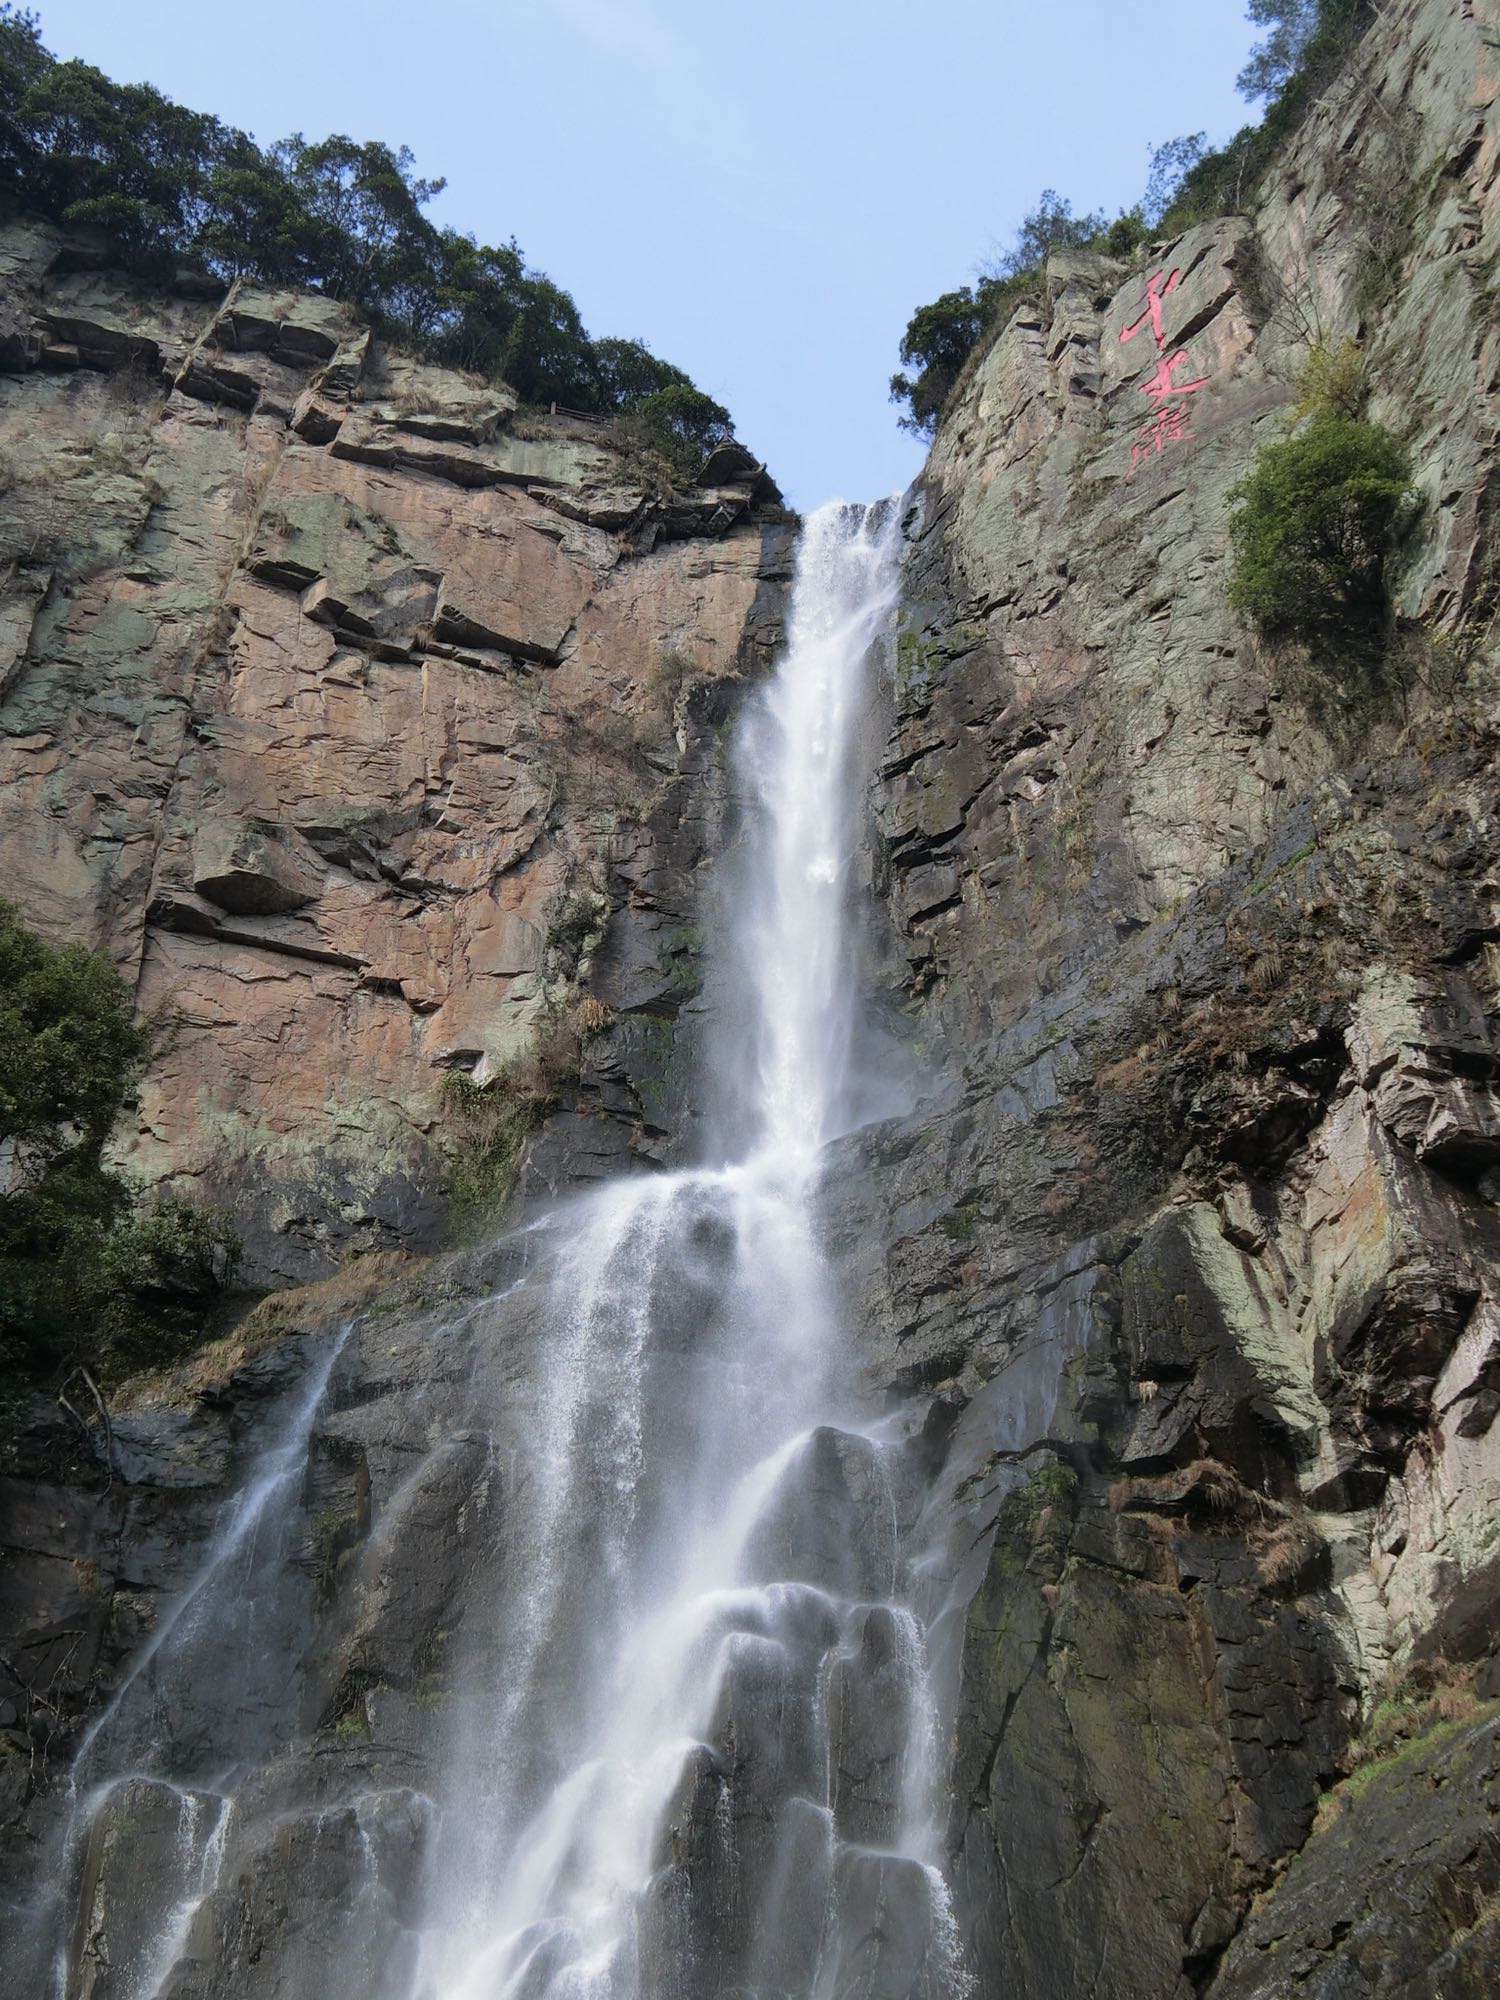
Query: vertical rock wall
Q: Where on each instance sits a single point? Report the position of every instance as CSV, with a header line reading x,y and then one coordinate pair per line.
x,y
327,678
1198,1247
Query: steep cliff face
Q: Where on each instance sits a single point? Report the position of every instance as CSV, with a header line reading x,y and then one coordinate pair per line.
x,y
1190,1263
367,722
327,681
1202,1254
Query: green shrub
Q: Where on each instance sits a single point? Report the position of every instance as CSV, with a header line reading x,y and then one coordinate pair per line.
x,y
160,1271
488,1124
1331,378
1314,531
1314,528
70,1047
960,1224
87,1272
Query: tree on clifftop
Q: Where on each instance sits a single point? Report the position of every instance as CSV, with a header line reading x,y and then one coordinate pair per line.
x,y
940,337
1308,42
1273,62
161,186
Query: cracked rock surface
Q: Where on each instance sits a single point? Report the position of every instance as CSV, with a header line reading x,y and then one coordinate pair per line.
x,y
1196,1246
325,680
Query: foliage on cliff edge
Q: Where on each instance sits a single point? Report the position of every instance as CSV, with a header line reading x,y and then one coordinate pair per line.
x,y
1307,42
90,1274
162,186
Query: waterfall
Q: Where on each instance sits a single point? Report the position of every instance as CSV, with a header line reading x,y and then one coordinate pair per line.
x,y
684,1744
696,1753
204,1699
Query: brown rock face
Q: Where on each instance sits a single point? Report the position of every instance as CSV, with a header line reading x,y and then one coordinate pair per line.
x,y
325,682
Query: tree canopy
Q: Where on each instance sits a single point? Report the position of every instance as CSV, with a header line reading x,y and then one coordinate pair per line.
x,y
163,187
1276,60
1308,43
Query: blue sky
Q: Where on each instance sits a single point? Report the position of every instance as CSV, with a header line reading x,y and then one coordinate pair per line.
x,y
762,190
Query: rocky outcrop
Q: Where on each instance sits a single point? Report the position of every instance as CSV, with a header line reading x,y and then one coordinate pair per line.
x,y
327,681
320,1607
1199,1252
1397,1894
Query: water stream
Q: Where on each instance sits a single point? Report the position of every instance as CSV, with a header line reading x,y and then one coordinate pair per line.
x,y
204,1700
697,1752
690,1749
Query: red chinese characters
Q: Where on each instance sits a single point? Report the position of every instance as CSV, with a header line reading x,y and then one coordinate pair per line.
x,y
1168,426
1168,422
1161,385
1157,289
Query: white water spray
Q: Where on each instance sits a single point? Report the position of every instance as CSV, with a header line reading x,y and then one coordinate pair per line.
x,y
195,1710
697,1745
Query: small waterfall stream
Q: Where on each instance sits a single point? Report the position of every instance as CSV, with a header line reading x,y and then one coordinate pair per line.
x,y
689,1749
203,1701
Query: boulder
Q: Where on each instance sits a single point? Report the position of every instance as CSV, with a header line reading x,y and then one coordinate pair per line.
x,y
251,870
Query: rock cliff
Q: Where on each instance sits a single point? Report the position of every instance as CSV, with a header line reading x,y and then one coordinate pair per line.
x,y
1202,1259
1192,1254
328,681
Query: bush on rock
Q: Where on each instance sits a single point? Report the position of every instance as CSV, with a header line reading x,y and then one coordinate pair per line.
x,y
89,1272
1314,530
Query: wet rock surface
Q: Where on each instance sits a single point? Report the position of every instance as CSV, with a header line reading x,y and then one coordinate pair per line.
x,y
302,1677
1194,1245
310,1680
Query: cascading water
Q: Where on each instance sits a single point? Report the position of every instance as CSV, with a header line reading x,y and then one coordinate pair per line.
x,y
203,1700
687,1741
696,1753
